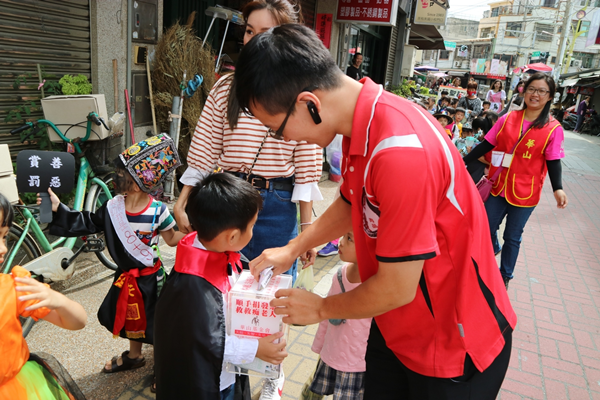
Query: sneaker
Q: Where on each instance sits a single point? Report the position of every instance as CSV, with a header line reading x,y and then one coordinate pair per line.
x,y
272,388
330,249
506,281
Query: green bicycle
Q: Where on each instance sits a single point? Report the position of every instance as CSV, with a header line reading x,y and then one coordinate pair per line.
x,y
27,244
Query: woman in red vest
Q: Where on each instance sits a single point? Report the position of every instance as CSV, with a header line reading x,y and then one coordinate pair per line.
x,y
527,144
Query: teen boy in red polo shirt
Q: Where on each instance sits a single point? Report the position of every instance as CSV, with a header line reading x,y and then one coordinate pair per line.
x,y
443,322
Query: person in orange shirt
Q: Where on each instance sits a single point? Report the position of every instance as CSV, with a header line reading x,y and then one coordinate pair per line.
x,y
24,376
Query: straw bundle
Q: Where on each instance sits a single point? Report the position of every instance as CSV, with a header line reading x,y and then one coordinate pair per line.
x,y
178,50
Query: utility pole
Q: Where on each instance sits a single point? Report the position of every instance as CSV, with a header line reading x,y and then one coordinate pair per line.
x,y
523,30
563,39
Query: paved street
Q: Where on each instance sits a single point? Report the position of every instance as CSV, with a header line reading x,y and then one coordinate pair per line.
x,y
556,294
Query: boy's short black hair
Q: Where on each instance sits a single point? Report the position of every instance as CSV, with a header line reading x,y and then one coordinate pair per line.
x,y
276,66
445,99
460,109
219,202
487,102
444,93
450,110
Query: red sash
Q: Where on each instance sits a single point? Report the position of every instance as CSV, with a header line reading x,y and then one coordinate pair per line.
x,y
207,264
130,312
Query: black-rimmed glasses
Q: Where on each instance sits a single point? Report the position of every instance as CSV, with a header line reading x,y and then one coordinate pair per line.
x,y
278,134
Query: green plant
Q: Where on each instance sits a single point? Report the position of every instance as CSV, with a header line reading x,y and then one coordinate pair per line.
x,y
404,89
423,90
75,84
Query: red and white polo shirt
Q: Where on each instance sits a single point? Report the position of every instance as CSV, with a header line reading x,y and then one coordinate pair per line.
x,y
413,199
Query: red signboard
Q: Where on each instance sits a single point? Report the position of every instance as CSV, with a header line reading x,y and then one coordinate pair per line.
x,y
324,28
372,12
586,91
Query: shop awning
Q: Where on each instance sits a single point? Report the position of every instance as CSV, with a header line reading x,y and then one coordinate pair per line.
x,y
426,37
569,82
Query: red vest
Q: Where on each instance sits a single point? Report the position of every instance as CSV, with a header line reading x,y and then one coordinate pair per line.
x,y
523,180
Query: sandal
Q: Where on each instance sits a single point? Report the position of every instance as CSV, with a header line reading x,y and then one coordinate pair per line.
x,y
128,363
153,385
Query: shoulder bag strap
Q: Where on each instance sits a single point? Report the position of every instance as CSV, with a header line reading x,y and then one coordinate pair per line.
x,y
256,158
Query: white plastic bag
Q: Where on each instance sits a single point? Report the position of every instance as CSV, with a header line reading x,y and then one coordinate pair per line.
x,y
305,279
334,155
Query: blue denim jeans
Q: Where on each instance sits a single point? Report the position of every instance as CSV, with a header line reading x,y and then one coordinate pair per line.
x,y
277,224
229,393
516,217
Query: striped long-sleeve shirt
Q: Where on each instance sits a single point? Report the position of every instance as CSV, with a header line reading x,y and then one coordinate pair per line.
x,y
215,144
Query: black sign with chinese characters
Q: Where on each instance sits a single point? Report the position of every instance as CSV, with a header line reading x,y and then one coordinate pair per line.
x,y
39,170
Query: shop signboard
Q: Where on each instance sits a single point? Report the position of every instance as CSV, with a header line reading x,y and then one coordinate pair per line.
x,y
572,90
535,54
371,12
431,12
586,91
323,28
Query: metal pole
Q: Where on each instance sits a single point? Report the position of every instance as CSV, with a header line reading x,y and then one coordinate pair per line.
x,y
169,182
563,40
523,24
128,58
221,49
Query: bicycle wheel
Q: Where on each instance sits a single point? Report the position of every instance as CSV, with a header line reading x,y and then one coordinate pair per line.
x,y
28,251
95,198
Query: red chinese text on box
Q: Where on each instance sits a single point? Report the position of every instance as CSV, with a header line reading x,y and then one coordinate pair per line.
x,y
323,28
365,10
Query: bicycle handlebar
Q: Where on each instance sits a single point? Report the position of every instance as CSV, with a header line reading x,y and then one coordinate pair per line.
x,y
21,128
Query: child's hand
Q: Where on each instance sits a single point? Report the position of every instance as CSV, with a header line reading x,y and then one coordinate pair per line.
x,y
53,198
64,312
38,291
270,352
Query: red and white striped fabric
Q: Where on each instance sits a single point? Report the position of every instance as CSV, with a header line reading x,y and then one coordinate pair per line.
x,y
215,145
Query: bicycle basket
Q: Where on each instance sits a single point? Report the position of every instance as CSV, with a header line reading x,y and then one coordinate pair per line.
x,y
101,153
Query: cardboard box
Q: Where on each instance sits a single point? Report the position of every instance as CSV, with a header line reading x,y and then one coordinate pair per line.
x,y
8,188
72,110
250,316
6,167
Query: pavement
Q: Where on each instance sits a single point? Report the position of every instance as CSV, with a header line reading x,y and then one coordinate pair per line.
x,y
555,293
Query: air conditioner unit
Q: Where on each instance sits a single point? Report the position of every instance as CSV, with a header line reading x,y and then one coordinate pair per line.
x,y
576,63
457,64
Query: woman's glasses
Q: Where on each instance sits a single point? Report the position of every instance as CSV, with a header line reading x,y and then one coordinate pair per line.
x,y
541,92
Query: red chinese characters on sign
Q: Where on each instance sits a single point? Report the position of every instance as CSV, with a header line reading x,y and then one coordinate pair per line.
x,y
257,309
323,28
369,11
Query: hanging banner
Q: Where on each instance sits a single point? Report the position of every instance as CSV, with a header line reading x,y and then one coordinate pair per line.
x,y
371,12
449,45
431,12
323,28
593,32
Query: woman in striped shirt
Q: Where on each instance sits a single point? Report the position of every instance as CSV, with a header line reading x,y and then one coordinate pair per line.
x,y
285,172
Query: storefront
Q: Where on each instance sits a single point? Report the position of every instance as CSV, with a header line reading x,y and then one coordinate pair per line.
x,y
372,43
